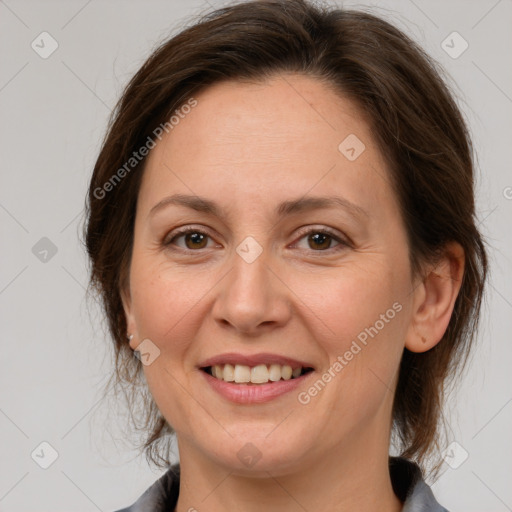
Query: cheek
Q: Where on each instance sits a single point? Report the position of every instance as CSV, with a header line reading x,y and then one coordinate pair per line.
x,y
367,317
163,303
360,328
347,301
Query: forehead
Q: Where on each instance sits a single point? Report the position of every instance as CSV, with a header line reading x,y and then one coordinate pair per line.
x,y
268,141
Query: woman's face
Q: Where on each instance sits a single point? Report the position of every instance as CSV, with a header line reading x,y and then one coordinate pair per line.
x,y
270,278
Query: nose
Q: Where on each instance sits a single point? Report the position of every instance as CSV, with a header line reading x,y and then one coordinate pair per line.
x,y
252,298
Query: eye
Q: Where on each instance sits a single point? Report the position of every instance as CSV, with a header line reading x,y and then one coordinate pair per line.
x,y
320,240
193,238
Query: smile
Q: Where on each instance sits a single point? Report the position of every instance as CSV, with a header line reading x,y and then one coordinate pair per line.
x,y
259,374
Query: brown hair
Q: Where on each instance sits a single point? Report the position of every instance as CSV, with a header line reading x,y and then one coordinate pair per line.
x,y
413,117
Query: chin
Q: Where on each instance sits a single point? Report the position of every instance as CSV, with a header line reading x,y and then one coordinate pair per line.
x,y
258,454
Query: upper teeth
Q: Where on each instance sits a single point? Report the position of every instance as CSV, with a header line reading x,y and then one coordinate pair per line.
x,y
259,374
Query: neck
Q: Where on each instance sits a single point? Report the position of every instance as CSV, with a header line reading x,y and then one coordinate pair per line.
x,y
348,478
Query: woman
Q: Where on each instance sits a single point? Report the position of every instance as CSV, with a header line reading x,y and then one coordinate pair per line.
x,y
282,229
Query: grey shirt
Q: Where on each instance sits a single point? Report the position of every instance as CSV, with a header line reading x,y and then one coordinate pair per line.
x,y
406,477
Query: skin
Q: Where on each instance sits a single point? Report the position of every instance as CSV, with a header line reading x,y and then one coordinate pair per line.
x,y
248,147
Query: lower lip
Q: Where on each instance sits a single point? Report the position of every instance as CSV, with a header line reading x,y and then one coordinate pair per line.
x,y
253,393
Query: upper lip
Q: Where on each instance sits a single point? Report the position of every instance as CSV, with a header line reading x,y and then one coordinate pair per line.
x,y
253,360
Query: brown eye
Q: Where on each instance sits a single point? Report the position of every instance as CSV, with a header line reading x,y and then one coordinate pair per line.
x,y
321,240
193,238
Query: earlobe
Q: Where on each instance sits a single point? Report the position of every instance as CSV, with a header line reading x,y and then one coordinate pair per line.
x,y
435,299
132,340
130,321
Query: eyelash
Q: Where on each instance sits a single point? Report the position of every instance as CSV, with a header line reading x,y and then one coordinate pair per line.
x,y
324,231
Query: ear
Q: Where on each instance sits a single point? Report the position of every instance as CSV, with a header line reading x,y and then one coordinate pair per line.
x,y
434,299
128,312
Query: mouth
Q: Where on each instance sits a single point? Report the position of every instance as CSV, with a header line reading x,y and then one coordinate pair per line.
x,y
258,374
256,378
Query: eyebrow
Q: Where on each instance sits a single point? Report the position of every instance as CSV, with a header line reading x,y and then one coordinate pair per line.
x,y
285,208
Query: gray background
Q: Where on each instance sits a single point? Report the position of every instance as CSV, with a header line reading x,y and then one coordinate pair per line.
x,y
55,360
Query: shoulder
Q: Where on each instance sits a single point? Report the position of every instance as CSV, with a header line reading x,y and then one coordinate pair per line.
x,y
161,496
410,487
